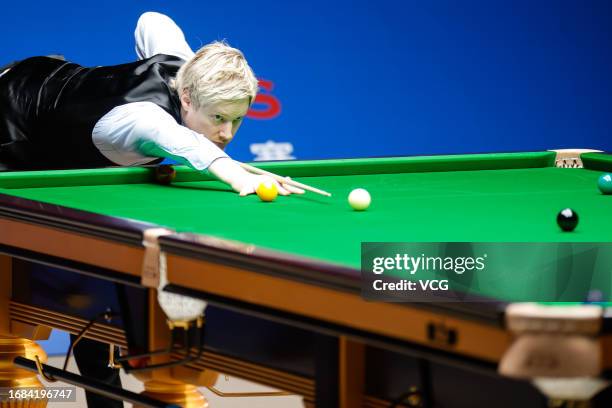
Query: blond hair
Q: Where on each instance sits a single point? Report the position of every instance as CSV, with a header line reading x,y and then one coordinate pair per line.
x,y
216,73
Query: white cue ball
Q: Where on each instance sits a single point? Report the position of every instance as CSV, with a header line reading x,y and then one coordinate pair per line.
x,y
359,199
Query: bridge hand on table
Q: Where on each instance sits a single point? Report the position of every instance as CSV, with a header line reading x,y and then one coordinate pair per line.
x,y
252,183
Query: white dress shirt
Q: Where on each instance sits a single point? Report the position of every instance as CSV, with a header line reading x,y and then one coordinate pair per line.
x,y
140,132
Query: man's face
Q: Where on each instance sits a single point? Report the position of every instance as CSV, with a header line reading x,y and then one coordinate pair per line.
x,y
218,122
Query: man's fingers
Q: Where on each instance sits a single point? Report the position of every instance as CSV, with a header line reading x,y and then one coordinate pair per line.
x,y
282,190
293,189
246,191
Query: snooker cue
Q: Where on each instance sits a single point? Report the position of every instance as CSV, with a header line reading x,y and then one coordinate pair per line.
x,y
283,180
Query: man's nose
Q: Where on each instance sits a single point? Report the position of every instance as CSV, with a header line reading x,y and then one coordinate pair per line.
x,y
225,133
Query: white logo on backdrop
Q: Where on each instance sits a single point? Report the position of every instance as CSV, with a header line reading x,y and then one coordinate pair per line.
x,y
272,150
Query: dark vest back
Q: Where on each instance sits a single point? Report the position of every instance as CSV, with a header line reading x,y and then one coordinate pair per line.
x,y
48,107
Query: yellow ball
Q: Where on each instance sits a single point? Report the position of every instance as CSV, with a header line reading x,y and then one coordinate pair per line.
x,y
267,191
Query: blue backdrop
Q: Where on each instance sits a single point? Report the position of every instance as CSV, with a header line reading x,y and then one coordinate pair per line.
x,y
368,78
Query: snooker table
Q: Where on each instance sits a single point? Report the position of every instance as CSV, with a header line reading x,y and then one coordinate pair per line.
x,y
282,279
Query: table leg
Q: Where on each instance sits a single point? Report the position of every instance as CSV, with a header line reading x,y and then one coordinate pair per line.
x,y
13,378
178,384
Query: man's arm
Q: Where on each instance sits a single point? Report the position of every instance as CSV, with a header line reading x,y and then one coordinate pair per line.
x,y
139,132
158,34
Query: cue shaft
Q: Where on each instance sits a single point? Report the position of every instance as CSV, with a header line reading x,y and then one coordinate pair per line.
x,y
283,180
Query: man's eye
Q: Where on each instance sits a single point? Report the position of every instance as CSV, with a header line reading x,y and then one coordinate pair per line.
x,y
218,118
237,120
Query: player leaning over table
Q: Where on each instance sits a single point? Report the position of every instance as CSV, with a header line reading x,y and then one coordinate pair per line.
x,y
171,103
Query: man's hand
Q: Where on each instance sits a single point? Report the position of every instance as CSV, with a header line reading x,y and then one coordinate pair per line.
x,y
244,182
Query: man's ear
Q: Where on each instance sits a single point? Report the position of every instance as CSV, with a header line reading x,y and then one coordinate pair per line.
x,y
185,100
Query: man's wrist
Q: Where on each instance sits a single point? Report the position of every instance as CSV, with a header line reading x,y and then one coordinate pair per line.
x,y
226,170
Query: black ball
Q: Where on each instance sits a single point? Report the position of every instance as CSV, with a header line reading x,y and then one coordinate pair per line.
x,y
567,219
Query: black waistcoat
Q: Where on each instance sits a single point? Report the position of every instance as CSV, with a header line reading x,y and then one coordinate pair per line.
x,y
48,107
